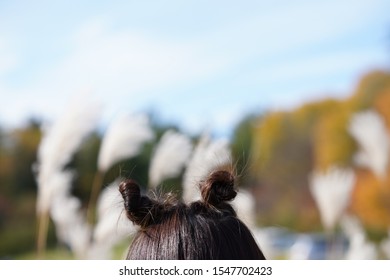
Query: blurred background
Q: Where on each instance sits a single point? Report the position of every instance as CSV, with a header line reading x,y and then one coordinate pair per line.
x,y
299,91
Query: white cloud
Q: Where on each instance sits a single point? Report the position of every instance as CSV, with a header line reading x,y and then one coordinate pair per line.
x,y
119,66
129,62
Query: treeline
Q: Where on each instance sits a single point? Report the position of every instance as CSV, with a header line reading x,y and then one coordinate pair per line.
x,y
274,153
287,146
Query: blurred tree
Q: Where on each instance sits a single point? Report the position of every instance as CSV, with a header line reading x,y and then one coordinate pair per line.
x,y
371,202
85,165
288,146
333,146
369,87
282,160
23,149
5,164
382,105
18,188
241,145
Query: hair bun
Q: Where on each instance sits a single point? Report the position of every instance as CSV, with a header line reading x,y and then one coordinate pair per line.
x,y
131,194
218,187
138,208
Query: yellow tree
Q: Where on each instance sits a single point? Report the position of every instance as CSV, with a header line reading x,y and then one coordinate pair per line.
x,y
332,143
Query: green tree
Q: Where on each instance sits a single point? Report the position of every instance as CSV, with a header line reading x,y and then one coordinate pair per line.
x,y
241,146
23,150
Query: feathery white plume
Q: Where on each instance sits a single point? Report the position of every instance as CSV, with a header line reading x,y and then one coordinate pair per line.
x,y
169,157
331,191
59,144
57,184
112,225
112,221
71,226
244,204
207,156
264,238
123,139
359,247
369,130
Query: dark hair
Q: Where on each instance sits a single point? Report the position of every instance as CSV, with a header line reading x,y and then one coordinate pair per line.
x,y
205,229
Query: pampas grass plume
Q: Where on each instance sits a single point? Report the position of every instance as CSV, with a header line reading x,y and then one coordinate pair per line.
x,y
112,225
60,142
123,139
359,247
369,130
331,191
169,157
71,226
207,156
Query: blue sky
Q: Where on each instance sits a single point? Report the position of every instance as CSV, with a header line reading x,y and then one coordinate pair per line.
x,y
200,64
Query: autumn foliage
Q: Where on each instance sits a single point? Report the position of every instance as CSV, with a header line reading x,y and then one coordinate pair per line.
x,y
290,145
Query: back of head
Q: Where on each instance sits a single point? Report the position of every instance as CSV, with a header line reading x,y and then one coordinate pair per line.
x,y
205,229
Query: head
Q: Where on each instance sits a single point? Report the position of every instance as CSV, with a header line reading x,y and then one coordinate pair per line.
x,y
205,229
